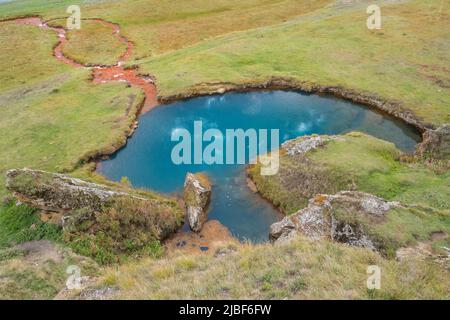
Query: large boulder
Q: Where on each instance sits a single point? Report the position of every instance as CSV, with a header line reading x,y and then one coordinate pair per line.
x,y
338,217
197,195
436,143
58,192
105,222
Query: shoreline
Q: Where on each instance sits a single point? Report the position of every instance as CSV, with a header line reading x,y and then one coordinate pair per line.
x,y
370,100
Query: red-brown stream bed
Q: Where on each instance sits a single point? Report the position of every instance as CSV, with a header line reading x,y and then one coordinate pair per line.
x,y
102,74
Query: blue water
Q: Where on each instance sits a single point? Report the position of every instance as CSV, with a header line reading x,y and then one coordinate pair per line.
x,y
146,160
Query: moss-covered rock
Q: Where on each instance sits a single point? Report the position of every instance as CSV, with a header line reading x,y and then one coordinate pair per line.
x,y
97,220
362,220
197,196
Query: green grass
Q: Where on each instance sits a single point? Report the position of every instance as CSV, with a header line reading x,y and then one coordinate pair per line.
x,y
316,42
400,227
406,227
160,26
20,223
122,230
26,276
94,44
52,116
406,61
359,162
300,270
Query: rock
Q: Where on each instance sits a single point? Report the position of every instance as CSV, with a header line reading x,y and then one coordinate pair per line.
x,y
334,217
197,195
87,208
280,228
436,143
57,192
305,144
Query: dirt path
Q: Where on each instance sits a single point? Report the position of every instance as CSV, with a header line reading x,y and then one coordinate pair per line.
x,y
103,74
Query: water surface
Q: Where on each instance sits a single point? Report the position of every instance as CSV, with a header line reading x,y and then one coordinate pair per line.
x,y
146,160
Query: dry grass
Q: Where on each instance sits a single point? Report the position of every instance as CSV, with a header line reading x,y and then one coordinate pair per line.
x,y
301,270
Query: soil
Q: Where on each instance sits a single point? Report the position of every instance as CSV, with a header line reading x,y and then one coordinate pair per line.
x,y
213,236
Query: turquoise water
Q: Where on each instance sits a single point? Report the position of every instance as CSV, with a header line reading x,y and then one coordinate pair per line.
x,y
146,160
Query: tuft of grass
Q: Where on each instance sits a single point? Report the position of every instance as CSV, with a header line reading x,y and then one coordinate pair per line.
x,y
121,230
20,223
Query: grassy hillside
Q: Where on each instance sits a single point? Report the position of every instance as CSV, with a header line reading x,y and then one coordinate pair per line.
x,y
51,115
320,42
406,61
300,270
157,26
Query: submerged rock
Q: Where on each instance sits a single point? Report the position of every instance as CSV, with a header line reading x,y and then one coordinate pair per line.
x,y
436,143
197,195
336,217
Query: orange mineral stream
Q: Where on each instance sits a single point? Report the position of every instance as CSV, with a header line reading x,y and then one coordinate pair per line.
x,y
103,74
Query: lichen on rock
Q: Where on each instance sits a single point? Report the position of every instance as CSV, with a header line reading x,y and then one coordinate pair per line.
x,y
334,217
197,196
305,144
58,192
97,220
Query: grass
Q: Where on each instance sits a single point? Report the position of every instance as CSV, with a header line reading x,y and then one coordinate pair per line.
x,y
25,276
52,117
161,26
358,162
406,61
300,270
122,230
94,44
108,230
400,227
20,223
319,42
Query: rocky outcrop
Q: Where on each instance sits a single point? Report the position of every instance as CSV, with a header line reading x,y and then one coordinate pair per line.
x,y
436,143
85,208
340,217
303,145
57,192
197,195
